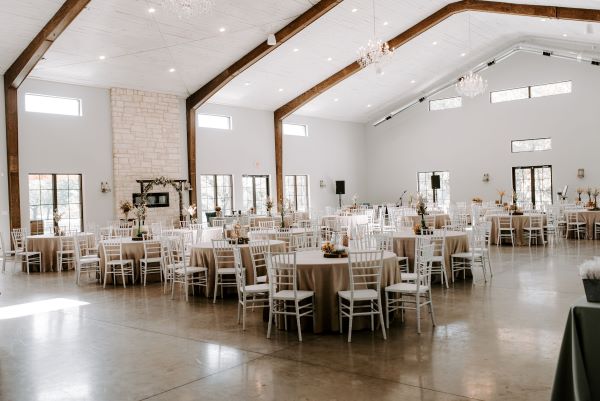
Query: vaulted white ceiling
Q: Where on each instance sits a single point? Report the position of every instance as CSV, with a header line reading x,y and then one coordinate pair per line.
x,y
140,47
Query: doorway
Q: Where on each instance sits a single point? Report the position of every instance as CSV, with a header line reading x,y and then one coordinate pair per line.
x,y
533,186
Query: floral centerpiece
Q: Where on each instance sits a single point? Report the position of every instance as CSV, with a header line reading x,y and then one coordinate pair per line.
x,y
57,218
330,251
417,229
125,207
579,192
355,201
192,212
595,194
590,274
218,211
422,210
140,213
269,205
501,194
589,191
477,200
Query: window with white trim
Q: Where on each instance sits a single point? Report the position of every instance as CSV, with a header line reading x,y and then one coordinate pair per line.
x,y
214,121
216,190
442,195
295,129
443,104
531,145
296,192
530,92
36,103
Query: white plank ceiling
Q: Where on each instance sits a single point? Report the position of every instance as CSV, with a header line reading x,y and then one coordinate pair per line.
x,y
140,48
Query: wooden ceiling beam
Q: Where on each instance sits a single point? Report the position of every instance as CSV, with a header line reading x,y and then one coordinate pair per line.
x,y
528,10
199,97
13,78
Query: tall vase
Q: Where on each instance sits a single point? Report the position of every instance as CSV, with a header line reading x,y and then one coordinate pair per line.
x,y
423,226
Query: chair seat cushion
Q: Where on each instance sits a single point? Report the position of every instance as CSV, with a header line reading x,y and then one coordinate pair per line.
x,y
408,276
120,262
359,295
408,288
151,260
465,255
28,254
89,259
289,295
261,279
226,270
190,270
256,288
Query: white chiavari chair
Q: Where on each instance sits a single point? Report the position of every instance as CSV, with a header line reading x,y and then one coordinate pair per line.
x,y
575,224
504,224
114,262
85,263
66,254
152,262
6,254
182,273
249,295
534,230
224,268
19,236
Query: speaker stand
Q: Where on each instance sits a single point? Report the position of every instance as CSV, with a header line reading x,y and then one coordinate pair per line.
x,y
340,195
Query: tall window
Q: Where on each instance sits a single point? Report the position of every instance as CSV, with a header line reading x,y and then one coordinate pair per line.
x,y
255,190
442,195
533,186
295,129
214,121
216,190
296,192
48,192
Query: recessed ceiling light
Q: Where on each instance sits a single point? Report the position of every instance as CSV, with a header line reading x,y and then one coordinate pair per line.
x,y
385,23
463,54
564,35
296,50
354,10
368,105
336,99
152,10
280,89
171,69
222,29
413,81
101,57
329,58
247,84
434,43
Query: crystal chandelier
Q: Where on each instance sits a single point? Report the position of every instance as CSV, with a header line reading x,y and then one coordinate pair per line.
x,y
375,52
187,8
471,85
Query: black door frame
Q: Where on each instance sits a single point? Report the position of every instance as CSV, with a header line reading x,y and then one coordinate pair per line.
x,y
532,169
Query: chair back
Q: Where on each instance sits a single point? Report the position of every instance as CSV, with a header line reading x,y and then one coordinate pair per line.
x,y
429,220
82,242
384,242
306,241
266,224
281,267
217,222
536,221
152,249
284,235
67,243
423,263
258,251
123,232
240,272
504,222
364,243
438,240
19,237
113,250
365,269
223,253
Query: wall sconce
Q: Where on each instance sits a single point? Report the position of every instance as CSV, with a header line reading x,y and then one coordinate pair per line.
x,y
322,184
486,177
580,173
104,187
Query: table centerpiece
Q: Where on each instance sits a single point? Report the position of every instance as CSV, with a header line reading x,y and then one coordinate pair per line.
x,y
590,275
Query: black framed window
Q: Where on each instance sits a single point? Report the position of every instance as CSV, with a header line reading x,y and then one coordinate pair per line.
x,y
62,192
255,191
533,186
296,192
442,195
216,190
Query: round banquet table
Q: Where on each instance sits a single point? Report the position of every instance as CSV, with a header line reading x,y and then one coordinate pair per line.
x,y
352,221
202,255
272,234
208,234
288,220
48,245
404,245
440,220
328,276
518,222
131,250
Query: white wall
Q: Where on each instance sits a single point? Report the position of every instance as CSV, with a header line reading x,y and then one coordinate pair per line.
x,y
475,139
333,151
64,144
4,215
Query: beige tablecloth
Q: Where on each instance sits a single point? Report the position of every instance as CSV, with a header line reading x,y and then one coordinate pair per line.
x,y
334,222
287,220
48,245
202,255
440,220
456,242
272,234
328,276
518,223
590,218
131,250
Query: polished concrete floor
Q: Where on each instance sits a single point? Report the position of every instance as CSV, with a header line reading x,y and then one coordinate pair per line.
x,y
494,341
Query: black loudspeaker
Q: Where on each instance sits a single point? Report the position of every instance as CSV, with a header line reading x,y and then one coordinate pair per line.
x,y
435,181
340,187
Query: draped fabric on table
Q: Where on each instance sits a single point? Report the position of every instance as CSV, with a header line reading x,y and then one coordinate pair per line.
x,y
272,234
202,255
518,222
440,220
456,242
288,220
48,245
334,222
576,376
328,276
131,250
590,217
